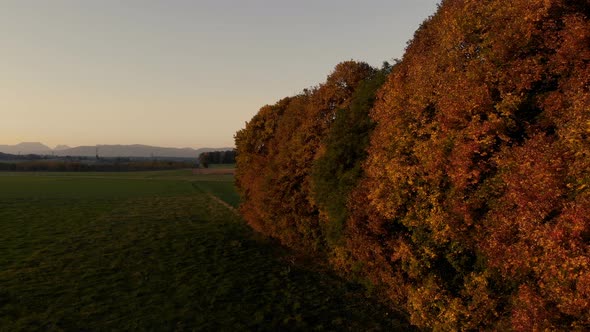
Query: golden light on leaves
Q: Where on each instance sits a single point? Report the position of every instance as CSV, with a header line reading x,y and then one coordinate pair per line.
x,y
473,208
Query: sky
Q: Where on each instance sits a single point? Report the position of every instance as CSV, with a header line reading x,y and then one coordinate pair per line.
x,y
177,73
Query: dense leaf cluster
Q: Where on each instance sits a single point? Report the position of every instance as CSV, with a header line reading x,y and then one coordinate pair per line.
x,y
465,195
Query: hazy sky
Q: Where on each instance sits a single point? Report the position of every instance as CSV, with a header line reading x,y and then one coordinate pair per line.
x,y
175,72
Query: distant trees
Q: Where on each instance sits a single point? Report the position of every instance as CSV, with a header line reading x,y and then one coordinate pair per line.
x,y
76,166
204,160
10,157
457,182
217,157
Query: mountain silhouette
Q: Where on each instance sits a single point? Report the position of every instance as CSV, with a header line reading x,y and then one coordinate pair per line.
x,y
135,150
26,148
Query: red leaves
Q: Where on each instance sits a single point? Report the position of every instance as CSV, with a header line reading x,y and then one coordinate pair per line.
x,y
480,140
530,311
475,209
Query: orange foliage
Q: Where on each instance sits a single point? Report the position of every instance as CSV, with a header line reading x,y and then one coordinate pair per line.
x,y
474,210
480,156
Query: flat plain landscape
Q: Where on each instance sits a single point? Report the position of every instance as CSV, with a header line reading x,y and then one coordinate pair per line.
x,y
156,251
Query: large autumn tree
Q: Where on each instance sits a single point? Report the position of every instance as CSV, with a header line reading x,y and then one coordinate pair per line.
x,y
478,170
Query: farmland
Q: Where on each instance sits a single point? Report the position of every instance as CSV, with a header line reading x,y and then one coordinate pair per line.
x,y
156,251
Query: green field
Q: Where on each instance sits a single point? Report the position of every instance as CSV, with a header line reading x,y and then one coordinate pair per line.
x,y
155,251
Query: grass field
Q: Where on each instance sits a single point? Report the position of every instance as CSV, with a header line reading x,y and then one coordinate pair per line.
x,y
155,251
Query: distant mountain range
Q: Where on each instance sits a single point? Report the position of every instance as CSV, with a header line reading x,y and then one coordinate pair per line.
x,y
135,150
26,148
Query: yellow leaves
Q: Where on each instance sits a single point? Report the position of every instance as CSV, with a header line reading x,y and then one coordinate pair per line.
x,y
509,104
482,140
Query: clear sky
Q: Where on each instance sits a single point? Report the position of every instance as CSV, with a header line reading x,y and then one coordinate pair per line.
x,y
177,73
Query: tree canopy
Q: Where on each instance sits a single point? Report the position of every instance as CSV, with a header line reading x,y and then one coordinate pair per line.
x,y
456,182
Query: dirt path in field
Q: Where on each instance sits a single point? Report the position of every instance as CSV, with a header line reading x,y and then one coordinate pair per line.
x,y
214,198
220,201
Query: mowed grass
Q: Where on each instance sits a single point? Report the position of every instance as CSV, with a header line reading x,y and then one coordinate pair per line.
x,y
155,251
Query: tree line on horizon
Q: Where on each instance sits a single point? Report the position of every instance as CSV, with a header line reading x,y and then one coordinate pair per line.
x,y
115,165
217,158
456,182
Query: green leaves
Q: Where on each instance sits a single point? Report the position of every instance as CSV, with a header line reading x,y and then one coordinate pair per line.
x,y
337,171
276,153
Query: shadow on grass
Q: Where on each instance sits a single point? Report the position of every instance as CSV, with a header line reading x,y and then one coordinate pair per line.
x,y
168,263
